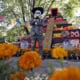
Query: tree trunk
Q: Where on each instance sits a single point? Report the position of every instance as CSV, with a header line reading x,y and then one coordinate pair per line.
x,y
23,15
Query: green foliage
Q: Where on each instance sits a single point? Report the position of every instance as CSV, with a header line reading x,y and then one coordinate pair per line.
x,y
5,70
22,8
69,8
25,6
51,67
2,39
0,34
14,33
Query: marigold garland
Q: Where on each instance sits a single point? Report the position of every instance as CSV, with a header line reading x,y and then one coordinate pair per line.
x,y
29,60
70,73
7,50
59,52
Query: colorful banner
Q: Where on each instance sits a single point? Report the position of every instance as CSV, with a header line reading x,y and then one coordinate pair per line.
x,y
71,34
13,21
67,39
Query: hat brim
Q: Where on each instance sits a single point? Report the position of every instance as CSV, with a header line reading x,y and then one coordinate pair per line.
x,y
38,8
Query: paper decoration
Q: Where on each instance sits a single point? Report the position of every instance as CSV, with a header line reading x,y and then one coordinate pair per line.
x,y
57,35
2,18
75,34
13,21
74,42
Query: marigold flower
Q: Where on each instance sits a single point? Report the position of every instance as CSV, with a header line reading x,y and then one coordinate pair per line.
x,y
7,50
29,60
70,73
59,52
17,76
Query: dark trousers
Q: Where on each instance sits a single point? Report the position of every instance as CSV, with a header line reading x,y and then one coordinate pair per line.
x,y
38,38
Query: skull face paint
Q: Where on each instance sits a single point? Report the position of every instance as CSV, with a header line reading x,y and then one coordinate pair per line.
x,y
37,14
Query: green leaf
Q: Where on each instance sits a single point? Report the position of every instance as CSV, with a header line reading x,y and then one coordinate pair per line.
x,y
51,67
61,62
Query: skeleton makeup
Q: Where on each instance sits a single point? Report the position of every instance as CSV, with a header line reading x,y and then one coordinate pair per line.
x,y
37,14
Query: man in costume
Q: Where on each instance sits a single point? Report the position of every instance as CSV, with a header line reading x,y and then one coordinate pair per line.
x,y
37,28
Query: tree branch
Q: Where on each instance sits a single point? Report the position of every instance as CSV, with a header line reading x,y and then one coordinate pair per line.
x,y
14,14
23,15
49,7
34,3
39,2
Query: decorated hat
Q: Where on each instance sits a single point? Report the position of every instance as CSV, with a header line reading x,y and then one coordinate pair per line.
x,y
38,8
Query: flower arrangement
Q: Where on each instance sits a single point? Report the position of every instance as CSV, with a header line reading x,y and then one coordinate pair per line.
x,y
7,50
74,54
30,60
69,73
59,52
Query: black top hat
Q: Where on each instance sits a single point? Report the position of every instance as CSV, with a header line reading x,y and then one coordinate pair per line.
x,y
38,8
